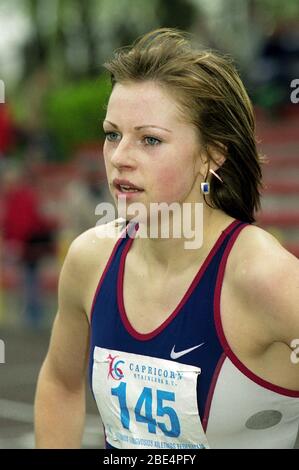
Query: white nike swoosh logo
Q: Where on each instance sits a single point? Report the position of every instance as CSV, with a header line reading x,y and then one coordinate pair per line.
x,y
176,355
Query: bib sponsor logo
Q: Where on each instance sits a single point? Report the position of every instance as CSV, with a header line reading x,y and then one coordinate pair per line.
x,y
114,371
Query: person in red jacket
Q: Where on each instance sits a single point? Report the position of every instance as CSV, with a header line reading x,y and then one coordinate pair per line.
x,y
7,130
28,234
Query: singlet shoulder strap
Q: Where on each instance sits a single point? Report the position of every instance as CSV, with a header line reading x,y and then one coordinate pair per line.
x,y
234,226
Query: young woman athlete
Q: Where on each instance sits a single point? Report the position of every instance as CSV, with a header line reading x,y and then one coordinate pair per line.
x,y
186,347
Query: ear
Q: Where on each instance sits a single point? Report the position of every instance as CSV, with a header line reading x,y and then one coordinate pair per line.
x,y
218,156
211,157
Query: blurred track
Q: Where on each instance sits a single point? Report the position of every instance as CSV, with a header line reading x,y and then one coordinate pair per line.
x,y
24,353
279,142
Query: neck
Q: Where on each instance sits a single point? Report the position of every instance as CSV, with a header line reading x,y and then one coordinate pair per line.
x,y
178,253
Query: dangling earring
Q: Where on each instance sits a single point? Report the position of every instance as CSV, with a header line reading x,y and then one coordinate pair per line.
x,y
205,187
215,174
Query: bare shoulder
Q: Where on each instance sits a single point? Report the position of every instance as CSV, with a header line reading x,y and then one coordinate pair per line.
x,y
96,241
266,278
259,257
86,259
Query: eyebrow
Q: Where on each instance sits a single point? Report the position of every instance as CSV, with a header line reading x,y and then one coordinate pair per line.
x,y
137,128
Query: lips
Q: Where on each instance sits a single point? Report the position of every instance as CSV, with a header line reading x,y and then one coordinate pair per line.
x,y
126,186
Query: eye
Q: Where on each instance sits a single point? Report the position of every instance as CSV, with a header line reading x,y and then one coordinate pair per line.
x,y
152,141
111,136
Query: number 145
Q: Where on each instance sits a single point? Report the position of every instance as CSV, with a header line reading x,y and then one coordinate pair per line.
x,y
145,401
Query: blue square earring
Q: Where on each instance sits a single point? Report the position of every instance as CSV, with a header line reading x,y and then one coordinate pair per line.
x,y
205,187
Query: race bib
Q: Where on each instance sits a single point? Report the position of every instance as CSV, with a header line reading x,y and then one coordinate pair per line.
x,y
147,402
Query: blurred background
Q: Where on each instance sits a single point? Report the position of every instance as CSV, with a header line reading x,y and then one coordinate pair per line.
x,y
52,96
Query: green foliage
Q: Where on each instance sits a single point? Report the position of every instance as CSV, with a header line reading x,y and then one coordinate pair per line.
x,y
269,96
278,9
74,113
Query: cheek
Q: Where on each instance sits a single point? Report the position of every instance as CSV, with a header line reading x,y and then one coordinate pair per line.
x,y
174,183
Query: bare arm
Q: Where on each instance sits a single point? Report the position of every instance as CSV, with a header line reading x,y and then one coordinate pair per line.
x,y
60,393
267,282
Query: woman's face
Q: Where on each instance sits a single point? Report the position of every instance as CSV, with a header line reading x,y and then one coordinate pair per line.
x,y
148,145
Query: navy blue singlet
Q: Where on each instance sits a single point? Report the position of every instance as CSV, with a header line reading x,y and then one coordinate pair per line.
x,y
230,399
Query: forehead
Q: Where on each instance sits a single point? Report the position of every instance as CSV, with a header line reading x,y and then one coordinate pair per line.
x,y
143,100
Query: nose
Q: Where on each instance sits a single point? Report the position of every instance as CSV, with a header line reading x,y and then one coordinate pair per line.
x,y
122,157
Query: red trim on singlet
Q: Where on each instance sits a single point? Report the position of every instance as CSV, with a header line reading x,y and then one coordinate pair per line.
x,y
211,392
102,277
220,332
147,336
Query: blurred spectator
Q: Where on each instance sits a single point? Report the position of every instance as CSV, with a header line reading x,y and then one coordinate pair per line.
x,y
276,66
7,130
37,140
81,196
27,235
